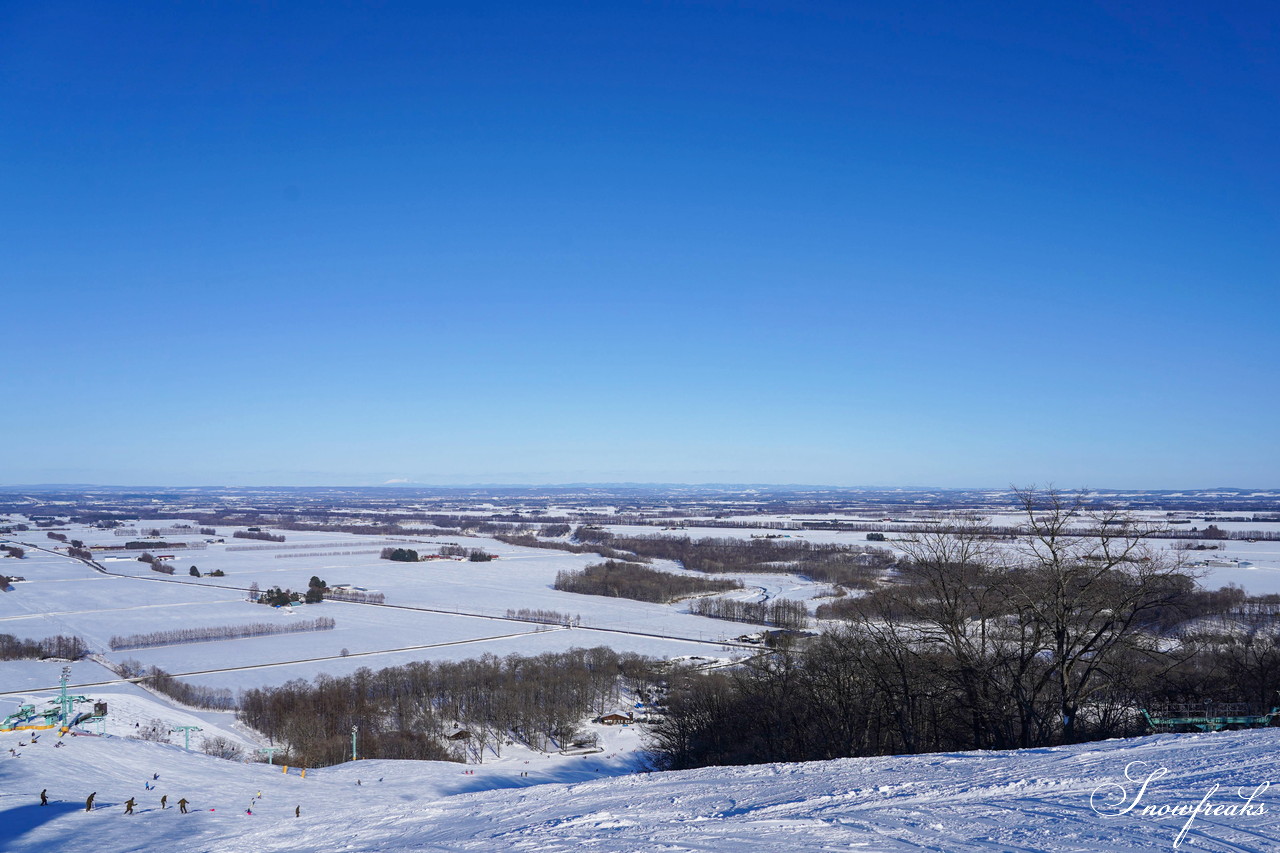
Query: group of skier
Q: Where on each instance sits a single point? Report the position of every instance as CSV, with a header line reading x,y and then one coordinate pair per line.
x,y
128,804
164,803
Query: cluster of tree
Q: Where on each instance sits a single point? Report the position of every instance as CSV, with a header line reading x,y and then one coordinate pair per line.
x,y
222,747
551,617
409,711
1189,545
853,566
155,731
1059,641
13,551
254,533
553,531
162,567
356,595
399,555
57,537
274,597
637,581
157,545
316,589
68,648
208,531
780,612
389,528
475,555
5,580
80,553
218,632
528,540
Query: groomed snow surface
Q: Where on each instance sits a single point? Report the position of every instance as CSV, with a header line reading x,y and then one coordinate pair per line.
x,y
1061,799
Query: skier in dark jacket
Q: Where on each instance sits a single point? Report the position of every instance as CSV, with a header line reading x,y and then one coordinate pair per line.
x,y
88,803
164,802
182,805
128,806
44,797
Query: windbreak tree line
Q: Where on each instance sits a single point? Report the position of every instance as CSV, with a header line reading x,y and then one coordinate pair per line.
x,y
410,711
218,632
195,695
68,648
1056,640
528,540
780,612
258,534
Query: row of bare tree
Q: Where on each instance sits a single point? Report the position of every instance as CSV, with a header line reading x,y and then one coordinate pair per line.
x,y
1057,638
780,612
218,632
411,711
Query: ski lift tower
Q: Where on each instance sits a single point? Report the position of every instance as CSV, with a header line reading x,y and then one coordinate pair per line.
x,y
186,734
65,702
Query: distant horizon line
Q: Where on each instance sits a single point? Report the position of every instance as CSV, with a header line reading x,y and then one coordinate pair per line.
x,y
636,484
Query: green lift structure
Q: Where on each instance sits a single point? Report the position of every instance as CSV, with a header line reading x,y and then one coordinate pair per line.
x,y
1209,717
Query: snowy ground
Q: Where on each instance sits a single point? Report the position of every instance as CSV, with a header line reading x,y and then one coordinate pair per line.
x,y
1061,799
62,595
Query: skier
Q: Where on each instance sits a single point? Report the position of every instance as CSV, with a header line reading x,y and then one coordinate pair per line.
x,y
182,805
128,806
44,797
297,811
164,802
88,803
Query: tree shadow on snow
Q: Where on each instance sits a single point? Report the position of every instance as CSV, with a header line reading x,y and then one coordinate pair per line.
x,y
501,777
14,823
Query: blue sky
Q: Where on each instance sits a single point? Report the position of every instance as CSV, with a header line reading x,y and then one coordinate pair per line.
x,y
851,244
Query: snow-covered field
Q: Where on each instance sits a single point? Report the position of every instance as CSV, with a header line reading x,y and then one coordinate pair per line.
x,y
64,596
1060,799
441,609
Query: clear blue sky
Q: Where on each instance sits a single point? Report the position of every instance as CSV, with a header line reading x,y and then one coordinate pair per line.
x,y
953,244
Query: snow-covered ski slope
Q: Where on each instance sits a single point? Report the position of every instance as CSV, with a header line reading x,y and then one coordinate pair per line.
x,y
1061,799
